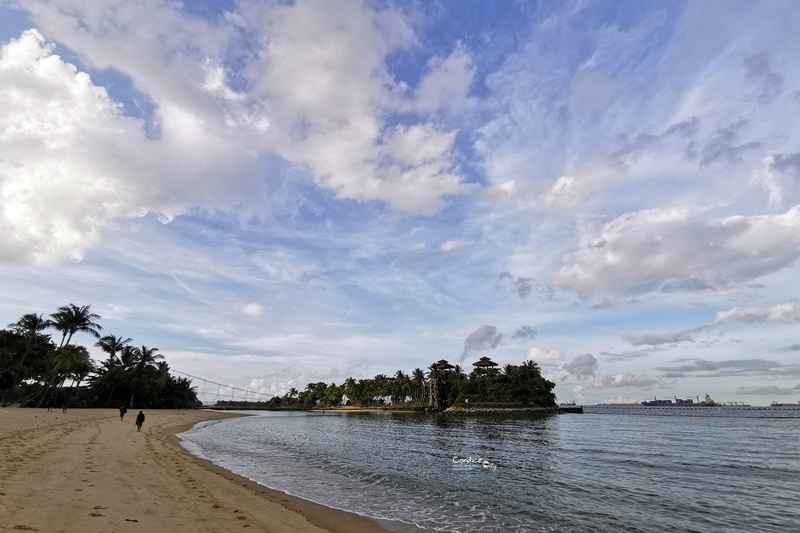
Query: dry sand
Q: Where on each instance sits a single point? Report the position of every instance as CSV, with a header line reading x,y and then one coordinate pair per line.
x,y
87,471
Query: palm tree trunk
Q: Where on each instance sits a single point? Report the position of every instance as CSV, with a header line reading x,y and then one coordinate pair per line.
x,y
47,389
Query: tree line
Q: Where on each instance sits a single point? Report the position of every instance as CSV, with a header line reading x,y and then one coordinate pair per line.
x,y
442,386
35,370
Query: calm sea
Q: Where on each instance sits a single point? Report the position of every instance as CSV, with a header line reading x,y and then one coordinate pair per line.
x,y
570,473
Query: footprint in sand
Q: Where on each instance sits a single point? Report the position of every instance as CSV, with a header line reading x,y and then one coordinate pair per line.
x,y
95,514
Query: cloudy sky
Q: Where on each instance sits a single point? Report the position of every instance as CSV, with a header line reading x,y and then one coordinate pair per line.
x,y
275,193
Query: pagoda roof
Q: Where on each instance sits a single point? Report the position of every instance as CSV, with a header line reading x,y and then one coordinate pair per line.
x,y
484,361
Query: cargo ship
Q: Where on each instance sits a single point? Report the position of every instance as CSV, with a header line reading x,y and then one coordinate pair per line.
x,y
697,408
688,402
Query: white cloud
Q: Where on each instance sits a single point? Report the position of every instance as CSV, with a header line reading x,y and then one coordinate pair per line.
x,y
71,162
619,380
786,312
324,74
454,245
675,250
318,95
571,191
252,309
655,339
54,201
543,355
447,82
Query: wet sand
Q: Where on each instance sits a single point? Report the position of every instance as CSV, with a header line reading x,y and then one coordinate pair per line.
x,y
87,471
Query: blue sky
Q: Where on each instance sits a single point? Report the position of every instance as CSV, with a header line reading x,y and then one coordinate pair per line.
x,y
278,193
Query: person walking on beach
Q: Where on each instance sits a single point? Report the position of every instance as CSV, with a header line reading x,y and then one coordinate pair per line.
x,y
139,421
122,411
50,406
64,407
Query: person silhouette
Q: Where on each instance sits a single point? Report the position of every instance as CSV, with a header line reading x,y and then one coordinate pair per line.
x,y
139,421
122,411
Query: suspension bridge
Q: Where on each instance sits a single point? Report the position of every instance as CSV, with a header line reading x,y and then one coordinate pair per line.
x,y
222,396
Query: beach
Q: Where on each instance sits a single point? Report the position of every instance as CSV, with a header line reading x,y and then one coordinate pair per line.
x,y
88,471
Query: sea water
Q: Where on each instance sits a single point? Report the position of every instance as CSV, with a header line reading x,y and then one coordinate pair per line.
x,y
560,473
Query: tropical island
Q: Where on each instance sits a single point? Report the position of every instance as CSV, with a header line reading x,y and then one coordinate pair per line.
x,y
34,371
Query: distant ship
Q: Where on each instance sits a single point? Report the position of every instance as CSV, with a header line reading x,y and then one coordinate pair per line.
x,y
688,402
695,407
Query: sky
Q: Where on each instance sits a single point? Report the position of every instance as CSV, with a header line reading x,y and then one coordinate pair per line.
x,y
277,193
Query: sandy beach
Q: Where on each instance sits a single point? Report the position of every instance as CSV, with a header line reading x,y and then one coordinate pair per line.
x,y
87,471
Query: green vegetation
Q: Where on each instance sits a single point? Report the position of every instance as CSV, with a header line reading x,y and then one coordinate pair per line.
x,y
442,386
34,370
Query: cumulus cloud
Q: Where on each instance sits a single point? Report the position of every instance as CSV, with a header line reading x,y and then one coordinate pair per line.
x,y
446,83
581,367
99,165
55,206
543,355
655,249
317,92
323,71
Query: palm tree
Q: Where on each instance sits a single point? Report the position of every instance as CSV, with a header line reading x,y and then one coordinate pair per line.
x,y
70,319
146,357
142,358
418,377
66,361
111,344
29,325
70,361
127,357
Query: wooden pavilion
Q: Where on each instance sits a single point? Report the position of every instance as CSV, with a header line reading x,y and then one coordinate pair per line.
x,y
485,365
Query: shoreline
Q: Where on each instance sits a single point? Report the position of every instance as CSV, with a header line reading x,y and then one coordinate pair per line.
x,y
87,471
328,518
